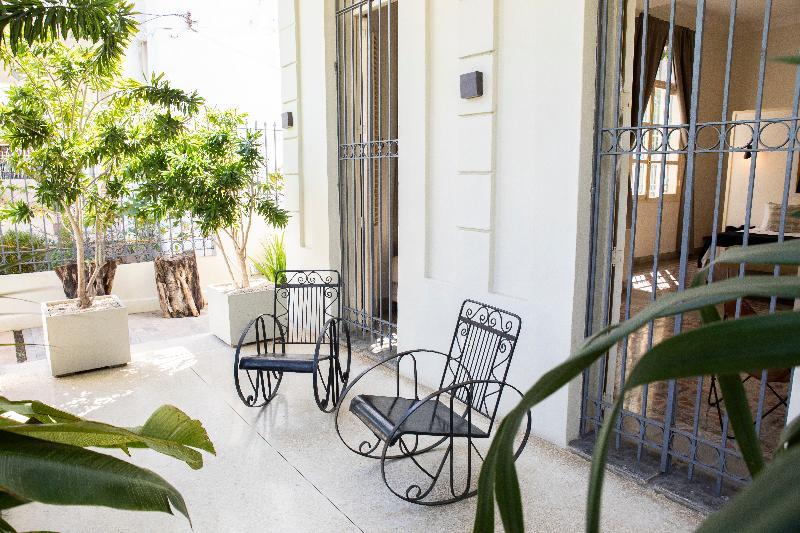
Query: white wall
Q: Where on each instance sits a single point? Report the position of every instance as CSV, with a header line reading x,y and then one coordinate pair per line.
x,y
230,55
134,284
308,80
489,188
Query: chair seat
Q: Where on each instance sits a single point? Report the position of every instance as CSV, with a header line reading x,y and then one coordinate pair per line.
x,y
292,363
382,413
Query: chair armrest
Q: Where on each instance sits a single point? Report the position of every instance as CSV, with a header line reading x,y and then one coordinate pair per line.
x,y
399,356
333,323
247,329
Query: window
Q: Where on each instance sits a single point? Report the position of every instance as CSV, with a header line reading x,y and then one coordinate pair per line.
x,y
653,164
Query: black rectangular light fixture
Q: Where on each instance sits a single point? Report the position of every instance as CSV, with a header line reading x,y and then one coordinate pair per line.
x,y
287,119
471,84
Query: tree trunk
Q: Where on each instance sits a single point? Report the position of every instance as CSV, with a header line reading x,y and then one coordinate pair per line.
x,y
81,290
178,284
242,256
71,280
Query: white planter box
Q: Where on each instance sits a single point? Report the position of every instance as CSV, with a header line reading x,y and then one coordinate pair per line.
x,y
86,339
230,311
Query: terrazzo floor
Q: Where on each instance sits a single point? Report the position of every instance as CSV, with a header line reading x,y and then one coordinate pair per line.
x,y
283,467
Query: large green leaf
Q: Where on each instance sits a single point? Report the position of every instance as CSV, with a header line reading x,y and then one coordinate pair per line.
x,y
7,501
36,410
5,527
500,455
171,424
730,347
168,431
61,474
770,503
790,436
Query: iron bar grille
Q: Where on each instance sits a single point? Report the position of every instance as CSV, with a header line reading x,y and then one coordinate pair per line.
x,y
46,241
694,170
366,68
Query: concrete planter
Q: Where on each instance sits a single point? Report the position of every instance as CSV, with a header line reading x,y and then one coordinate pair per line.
x,y
230,311
78,340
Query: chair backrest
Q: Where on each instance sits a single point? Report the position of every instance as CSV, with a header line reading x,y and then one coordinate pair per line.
x,y
305,302
483,345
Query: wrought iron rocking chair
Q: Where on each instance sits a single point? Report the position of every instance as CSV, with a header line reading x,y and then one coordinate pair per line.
x,y
411,429
307,311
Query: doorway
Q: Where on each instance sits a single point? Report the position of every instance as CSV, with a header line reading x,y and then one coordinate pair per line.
x,y
366,69
696,151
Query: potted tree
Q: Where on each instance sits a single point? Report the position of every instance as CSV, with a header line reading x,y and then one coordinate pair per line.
x,y
74,127
214,172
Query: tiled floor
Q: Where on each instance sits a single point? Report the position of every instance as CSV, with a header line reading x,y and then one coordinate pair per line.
x,y
692,394
283,468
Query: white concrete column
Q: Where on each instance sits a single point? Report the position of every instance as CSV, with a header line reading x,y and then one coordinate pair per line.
x,y
287,28
473,191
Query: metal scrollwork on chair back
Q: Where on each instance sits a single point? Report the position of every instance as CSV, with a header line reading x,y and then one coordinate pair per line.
x,y
482,347
305,302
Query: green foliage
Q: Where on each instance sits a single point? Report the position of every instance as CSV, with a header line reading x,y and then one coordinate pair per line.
x,y
78,131
32,249
792,60
212,172
273,260
109,24
721,348
43,458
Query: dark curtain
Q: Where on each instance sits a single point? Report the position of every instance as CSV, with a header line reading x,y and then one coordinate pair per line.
x,y
657,34
683,63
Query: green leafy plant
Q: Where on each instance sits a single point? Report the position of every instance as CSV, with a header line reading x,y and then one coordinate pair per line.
x,y
44,458
272,261
721,348
212,172
792,60
22,251
74,129
110,23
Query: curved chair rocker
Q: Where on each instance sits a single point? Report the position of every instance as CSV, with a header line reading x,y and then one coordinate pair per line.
x,y
307,313
470,388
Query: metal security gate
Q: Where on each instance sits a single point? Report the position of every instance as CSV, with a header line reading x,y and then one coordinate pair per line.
x,y
696,149
366,70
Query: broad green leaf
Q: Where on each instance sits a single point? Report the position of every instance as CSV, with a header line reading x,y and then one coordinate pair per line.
x,y
770,503
777,253
168,431
736,402
693,299
7,501
5,527
36,410
741,421
792,60
171,424
730,347
509,499
790,436
60,474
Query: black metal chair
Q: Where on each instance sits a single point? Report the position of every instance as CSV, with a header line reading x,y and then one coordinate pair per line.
x,y
307,313
450,420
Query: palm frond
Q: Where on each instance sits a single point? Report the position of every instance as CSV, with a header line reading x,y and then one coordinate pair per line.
x,y
108,23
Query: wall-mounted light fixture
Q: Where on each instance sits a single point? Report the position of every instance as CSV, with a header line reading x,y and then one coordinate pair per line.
x,y
471,84
287,119
748,154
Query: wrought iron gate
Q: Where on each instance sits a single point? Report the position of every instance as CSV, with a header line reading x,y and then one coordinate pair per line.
x,y
686,161
366,70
